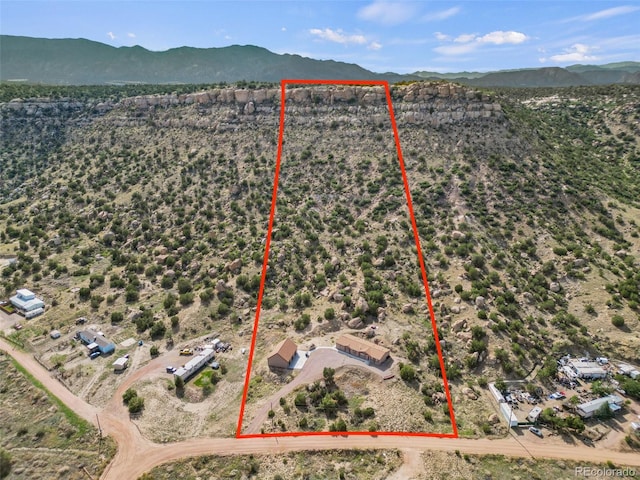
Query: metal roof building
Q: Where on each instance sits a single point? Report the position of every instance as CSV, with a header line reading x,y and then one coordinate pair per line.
x,y
361,348
282,354
588,409
195,364
587,369
26,301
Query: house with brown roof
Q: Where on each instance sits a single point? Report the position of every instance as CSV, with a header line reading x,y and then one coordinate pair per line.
x,y
361,348
282,354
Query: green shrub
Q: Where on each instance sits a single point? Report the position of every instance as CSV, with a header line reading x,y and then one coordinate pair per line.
x,y
129,395
136,404
618,321
407,373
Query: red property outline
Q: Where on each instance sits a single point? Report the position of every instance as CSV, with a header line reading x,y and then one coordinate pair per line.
x,y
265,262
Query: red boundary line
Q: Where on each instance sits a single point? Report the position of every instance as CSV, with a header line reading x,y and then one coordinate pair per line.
x,y
265,262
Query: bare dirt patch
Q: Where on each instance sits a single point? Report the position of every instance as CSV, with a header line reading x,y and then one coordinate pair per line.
x,y
352,464
43,440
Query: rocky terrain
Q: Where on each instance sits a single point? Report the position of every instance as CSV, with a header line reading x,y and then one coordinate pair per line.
x,y
149,213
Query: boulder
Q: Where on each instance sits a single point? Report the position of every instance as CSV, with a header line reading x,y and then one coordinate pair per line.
x,y
338,297
235,265
355,323
481,302
407,308
464,336
459,325
554,287
439,397
457,234
470,394
362,305
249,108
212,272
221,286
170,273
493,419
455,309
580,262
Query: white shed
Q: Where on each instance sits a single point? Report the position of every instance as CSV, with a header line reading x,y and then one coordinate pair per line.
x,y
120,364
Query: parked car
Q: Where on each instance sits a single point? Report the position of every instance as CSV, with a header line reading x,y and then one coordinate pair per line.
x,y
94,355
215,365
17,326
186,351
81,321
536,431
170,369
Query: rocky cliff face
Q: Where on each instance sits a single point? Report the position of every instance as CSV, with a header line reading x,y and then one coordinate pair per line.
x,y
32,127
433,104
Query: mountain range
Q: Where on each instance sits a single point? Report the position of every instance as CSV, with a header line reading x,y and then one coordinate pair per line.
x,y
86,62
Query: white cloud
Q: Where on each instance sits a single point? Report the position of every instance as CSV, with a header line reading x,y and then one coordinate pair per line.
x,y
578,52
465,38
338,36
468,42
283,29
610,12
499,38
442,14
131,35
111,35
374,46
387,13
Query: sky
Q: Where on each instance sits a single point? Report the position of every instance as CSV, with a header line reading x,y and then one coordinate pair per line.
x,y
382,36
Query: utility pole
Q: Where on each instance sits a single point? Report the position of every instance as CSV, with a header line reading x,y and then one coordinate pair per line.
x,y
99,434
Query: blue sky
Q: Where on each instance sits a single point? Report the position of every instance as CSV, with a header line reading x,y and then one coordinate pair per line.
x,y
400,36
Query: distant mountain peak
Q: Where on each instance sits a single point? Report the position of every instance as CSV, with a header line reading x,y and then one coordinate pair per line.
x,y
78,61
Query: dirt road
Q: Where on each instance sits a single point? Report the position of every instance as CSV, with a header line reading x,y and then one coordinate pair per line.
x,y
137,455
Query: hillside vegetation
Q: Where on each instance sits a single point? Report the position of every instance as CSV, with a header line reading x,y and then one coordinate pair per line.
x,y
151,212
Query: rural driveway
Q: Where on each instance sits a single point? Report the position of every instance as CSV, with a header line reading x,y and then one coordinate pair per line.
x,y
137,455
312,371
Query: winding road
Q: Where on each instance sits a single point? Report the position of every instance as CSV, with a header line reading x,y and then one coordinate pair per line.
x,y
137,455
